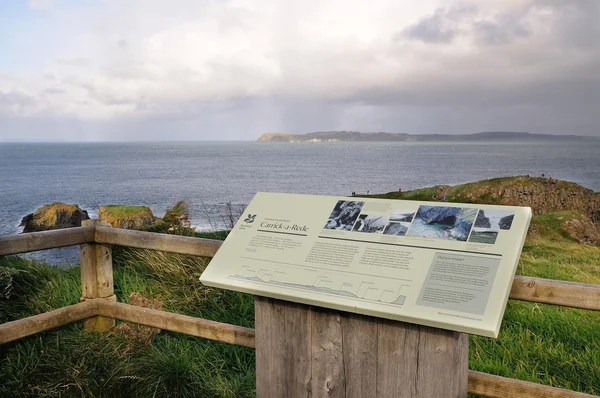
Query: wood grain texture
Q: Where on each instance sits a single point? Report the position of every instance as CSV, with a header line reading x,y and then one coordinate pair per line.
x,y
396,373
354,356
567,294
359,341
161,242
177,323
282,368
496,386
442,364
97,277
34,241
15,330
328,378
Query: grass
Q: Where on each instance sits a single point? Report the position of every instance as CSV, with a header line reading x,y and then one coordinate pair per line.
x,y
546,344
124,210
130,217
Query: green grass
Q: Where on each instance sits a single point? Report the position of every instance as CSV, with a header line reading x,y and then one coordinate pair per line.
x,y
69,362
123,210
540,343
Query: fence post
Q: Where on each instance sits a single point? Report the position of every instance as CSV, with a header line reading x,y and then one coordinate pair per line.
x,y
96,278
309,351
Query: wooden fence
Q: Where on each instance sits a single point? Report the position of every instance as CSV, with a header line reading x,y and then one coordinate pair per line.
x,y
99,309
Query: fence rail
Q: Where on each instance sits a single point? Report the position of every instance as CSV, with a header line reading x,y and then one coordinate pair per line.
x,y
569,294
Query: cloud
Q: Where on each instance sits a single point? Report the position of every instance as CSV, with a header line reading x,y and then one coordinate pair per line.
x,y
443,26
306,65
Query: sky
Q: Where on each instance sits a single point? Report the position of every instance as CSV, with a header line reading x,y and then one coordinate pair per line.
x,y
111,70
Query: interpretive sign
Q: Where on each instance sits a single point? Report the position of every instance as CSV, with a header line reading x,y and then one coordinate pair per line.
x,y
446,265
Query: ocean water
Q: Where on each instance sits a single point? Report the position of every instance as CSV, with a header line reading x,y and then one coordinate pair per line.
x,y
210,174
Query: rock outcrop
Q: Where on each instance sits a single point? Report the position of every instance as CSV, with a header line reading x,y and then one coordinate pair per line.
x,y
582,229
541,194
128,217
482,221
506,222
56,215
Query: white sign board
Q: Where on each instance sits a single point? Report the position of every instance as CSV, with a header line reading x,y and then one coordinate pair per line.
x,y
446,265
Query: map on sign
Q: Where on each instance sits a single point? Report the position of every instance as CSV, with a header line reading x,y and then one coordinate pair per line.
x,y
446,265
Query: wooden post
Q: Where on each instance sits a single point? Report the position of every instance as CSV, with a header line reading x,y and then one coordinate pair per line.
x,y
314,352
96,278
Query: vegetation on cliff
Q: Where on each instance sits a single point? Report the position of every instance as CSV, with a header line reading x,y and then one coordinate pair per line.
x,y
55,215
129,217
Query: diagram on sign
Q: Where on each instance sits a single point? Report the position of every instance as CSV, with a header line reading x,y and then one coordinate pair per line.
x,y
370,288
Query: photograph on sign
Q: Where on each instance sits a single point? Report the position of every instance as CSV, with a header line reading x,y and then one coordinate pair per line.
x,y
443,265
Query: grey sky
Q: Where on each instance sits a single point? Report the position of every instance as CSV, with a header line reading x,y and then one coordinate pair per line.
x,y
230,70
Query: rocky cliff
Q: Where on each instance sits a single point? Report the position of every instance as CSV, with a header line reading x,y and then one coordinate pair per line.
x,y
541,194
56,215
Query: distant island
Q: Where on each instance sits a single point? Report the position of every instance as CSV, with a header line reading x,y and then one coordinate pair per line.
x,y
357,136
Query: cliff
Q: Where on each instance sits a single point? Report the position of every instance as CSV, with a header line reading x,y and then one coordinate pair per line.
x,y
56,215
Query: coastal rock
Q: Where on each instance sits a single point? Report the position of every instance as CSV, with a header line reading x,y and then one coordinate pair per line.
x,y
461,229
440,215
482,221
128,217
582,229
56,215
506,222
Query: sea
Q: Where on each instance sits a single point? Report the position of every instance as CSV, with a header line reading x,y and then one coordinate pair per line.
x,y
210,176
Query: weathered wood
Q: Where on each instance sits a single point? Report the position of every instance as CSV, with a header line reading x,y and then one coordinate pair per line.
x,y
443,364
288,349
355,356
15,330
96,278
177,323
35,241
396,373
327,361
161,242
359,341
419,361
496,386
567,294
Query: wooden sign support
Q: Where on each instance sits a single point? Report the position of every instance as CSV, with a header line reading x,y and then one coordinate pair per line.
x,y
305,351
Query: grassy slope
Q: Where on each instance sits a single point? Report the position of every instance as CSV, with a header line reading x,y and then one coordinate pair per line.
x,y
551,345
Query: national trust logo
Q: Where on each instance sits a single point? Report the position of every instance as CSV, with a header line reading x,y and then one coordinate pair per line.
x,y
250,218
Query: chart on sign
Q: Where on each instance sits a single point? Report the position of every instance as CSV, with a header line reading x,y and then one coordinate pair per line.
x,y
370,288
436,264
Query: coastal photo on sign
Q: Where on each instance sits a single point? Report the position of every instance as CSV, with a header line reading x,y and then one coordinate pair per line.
x,y
483,235
441,222
344,215
396,228
370,224
494,219
402,215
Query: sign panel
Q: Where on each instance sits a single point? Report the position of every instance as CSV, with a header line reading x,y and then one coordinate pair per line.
x,y
446,265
